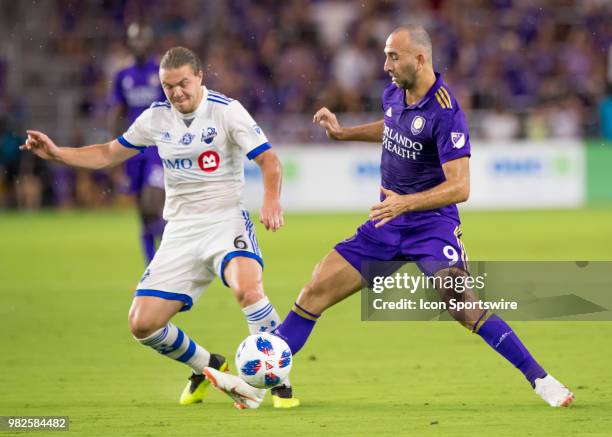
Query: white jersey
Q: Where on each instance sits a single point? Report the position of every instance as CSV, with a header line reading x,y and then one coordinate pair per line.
x,y
203,161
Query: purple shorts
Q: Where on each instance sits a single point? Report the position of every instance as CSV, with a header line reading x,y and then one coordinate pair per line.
x,y
144,169
433,244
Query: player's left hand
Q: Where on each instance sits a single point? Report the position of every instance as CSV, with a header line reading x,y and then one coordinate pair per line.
x,y
271,215
393,205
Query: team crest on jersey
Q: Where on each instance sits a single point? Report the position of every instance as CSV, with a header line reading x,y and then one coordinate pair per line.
x,y
208,135
257,129
389,112
167,136
458,139
209,161
187,139
418,123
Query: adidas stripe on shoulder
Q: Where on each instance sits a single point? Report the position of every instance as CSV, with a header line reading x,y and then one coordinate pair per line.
x,y
164,104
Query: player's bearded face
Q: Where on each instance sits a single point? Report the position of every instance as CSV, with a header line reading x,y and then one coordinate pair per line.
x,y
182,87
405,74
401,65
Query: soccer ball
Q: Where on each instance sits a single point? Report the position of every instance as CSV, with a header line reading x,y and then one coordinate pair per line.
x,y
263,360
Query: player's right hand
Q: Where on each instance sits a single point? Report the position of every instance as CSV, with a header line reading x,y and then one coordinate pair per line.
x,y
41,145
328,121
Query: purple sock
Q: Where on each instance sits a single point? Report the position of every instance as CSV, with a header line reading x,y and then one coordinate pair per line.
x,y
296,327
500,337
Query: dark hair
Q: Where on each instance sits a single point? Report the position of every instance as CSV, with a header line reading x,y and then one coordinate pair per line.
x,y
176,57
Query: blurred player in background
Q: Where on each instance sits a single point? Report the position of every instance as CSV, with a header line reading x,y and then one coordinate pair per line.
x,y
134,89
425,173
202,137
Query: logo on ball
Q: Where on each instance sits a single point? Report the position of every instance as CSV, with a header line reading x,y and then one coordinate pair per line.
x,y
263,360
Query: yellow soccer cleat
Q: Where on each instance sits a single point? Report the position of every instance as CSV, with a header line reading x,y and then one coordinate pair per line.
x,y
282,397
197,386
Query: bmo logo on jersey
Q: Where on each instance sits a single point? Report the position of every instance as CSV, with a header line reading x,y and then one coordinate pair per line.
x,y
177,164
209,161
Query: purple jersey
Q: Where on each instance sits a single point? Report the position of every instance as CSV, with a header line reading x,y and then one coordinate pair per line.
x,y
417,140
136,87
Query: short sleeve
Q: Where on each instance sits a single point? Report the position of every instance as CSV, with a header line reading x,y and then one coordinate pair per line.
x,y
245,132
452,136
139,134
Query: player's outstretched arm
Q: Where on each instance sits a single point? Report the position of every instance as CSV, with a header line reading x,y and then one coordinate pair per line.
x,y
271,214
93,157
370,132
455,189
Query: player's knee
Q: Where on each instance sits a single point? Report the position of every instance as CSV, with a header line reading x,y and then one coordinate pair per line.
x,y
250,297
248,293
143,325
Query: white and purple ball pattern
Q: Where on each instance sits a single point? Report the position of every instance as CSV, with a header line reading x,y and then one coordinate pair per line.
x,y
263,360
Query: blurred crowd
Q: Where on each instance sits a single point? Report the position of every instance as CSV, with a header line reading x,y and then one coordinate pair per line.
x,y
521,69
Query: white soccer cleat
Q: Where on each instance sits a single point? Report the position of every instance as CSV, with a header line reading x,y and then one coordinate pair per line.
x,y
244,395
553,392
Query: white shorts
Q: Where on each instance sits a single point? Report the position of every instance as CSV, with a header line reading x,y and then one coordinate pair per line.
x,y
191,255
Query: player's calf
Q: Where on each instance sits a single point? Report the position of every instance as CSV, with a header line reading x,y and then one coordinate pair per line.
x,y
446,278
333,280
500,336
142,326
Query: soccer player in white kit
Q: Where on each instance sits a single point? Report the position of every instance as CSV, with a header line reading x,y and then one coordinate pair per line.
x,y
202,137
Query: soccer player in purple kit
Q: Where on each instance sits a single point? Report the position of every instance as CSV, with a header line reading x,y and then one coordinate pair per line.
x,y
425,173
134,89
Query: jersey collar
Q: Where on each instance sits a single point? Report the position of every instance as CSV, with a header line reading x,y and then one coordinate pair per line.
x,y
430,93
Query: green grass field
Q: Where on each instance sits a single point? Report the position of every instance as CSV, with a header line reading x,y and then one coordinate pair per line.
x,y
65,287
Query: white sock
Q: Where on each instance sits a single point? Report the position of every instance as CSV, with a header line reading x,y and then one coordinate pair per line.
x,y
262,317
174,343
